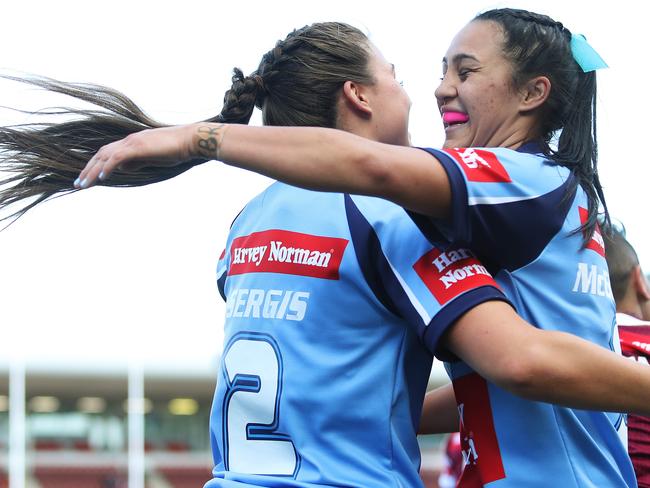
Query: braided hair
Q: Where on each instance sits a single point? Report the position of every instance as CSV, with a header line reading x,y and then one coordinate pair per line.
x,y
297,83
537,45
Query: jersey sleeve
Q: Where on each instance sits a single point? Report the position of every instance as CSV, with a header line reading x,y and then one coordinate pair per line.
x,y
506,204
222,268
428,287
224,262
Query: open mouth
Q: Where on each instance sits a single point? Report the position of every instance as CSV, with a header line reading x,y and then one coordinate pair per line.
x,y
454,119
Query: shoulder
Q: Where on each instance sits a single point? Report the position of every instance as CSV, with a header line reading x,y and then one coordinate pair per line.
x,y
503,165
392,224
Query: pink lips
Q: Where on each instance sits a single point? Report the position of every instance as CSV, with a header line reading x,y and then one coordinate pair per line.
x,y
454,118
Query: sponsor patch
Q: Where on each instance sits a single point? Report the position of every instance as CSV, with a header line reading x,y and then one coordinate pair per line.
x,y
451,273
478,439
480,165
594,280
596,243
282,251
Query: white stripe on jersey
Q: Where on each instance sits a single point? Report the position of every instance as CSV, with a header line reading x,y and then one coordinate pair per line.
x,y
426,318
498,200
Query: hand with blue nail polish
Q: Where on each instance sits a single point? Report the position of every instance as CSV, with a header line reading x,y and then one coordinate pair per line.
x,y
161,147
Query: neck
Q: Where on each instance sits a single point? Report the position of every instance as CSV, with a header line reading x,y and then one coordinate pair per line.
x,y
518,138
630,312
521,130
630,306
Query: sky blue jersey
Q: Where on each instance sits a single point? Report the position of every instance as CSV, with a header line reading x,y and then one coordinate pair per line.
x,y
333,304
520,213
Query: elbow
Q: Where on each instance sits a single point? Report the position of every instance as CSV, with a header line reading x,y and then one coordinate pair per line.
x,y
518,379
526,375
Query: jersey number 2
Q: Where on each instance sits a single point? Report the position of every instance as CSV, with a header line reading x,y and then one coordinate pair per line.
x,y
252,368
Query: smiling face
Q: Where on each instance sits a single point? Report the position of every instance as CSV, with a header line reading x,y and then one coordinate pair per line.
x,y
478,102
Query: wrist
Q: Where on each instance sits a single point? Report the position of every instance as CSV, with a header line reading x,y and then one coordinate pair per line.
x,y
206,139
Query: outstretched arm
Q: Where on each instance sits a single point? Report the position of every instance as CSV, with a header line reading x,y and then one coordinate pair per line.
x,y
548,366
439,412
309,157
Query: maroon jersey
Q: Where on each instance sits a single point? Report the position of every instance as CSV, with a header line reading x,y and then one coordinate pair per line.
x,y
453,462
635,343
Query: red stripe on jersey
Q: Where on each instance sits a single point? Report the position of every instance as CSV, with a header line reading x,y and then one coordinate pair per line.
x,y
480,165
596,243
483,463
286,252
450,273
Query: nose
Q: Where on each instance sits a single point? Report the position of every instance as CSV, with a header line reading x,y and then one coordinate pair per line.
x,y
446,90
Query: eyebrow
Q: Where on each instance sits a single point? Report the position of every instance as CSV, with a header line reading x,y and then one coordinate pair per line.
x,y
460,57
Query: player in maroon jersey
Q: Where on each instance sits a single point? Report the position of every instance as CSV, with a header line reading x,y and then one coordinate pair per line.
x,y
632,295
453,462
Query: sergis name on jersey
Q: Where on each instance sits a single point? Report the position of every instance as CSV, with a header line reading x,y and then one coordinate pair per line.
x,y
281,251
450,273
255,303
593,280
480,165
596,243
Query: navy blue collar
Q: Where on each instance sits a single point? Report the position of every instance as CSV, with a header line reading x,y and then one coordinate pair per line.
x,y
532,147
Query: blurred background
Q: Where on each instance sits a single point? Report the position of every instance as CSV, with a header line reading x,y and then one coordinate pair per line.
x,y
108,295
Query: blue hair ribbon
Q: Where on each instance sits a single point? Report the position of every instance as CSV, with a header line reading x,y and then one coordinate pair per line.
x,y
585,55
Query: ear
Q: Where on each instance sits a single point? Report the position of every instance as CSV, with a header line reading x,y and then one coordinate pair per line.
x,y
640,284
355,97
534,93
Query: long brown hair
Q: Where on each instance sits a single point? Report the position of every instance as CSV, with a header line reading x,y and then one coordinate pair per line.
x,y
296,83
536,44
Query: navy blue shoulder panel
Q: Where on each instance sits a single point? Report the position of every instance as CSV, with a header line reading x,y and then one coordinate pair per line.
x,y
513,234
221,285
374,265
505,235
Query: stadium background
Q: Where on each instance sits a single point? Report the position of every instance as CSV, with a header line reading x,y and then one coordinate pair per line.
x,y
107,285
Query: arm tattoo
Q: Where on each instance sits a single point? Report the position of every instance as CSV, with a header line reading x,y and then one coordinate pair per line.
x,y
210,138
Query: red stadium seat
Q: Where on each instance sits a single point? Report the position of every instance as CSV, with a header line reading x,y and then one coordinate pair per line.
x,y
87,477
47,445
186,477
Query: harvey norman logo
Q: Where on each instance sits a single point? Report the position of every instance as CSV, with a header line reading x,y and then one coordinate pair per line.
x,y
451,273
480,165
282,251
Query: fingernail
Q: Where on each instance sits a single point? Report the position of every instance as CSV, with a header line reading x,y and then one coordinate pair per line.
x,y
84,183
76,183
101,175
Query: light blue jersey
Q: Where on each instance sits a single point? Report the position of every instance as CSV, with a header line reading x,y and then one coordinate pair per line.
x,y
512,208
333,303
